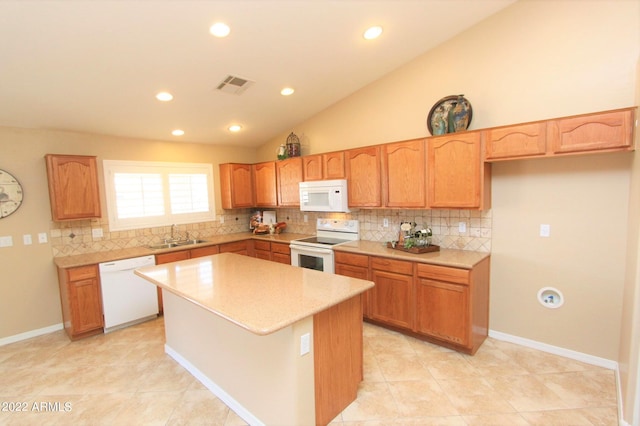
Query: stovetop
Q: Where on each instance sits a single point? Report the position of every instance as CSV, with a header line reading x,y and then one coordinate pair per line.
x,y
321,240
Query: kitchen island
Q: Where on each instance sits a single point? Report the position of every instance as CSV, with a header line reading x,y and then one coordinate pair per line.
x,y
278,344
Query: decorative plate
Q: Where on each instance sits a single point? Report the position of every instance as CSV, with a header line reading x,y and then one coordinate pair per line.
x,y
447,116
10,194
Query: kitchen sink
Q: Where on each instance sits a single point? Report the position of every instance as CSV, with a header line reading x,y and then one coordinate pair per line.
x,y
167,245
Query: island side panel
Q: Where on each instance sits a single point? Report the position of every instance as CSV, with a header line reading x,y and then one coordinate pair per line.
x,y
264,379
338,356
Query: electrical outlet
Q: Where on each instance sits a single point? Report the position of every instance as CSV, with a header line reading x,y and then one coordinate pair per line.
x,y
306,218
385,222
221,219
545,230
97,233
462,227
42,237
305,344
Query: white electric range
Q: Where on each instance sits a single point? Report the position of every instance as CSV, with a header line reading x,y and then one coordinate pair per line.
x,y
317,252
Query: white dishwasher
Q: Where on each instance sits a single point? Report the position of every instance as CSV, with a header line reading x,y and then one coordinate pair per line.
x,y
127,299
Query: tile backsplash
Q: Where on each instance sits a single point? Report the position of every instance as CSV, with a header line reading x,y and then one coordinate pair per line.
x,y
77,237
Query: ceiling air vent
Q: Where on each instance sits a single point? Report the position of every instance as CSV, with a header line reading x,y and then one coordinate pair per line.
x,y
234,85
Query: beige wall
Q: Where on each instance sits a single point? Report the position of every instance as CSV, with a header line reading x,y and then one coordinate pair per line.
x,y
532,61
29,298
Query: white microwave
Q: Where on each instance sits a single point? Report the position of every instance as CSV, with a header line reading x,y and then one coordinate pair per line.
x,y
324,196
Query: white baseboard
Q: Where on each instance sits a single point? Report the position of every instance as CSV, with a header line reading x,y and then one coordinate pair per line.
x,y
30,334
556,350
245,414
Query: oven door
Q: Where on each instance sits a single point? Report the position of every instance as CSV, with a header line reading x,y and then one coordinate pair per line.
x,y
318,258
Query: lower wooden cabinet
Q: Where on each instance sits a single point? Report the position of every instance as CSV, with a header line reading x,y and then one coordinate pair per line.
x,y
262,249
281,253
444,305
239,247
81,301
391,300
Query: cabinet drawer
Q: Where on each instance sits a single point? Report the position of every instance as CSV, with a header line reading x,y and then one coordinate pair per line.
x,y
280,248
172,257
351,259
238,246
204,251
443,273
82,273
262,245
390,265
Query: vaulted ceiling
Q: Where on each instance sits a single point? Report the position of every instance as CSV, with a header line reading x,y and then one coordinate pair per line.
x,y
96,66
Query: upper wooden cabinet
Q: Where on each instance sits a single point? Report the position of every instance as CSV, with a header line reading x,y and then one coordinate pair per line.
x,y
458,178
289,175
73,187
236,185
363,176
597,132
323,166
264,184
611,130
404,174
524,140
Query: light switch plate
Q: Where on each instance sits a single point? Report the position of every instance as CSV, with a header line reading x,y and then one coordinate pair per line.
x,y
305,344
462,227
97,233
27,240
6,241
545,230
42,237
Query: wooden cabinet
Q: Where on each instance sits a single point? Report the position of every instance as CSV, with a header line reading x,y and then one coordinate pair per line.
x,y
509,142
354,266
262,249
73,187
452,304
323,166
173,256
612,130
81,301
458,178
239,247
203,251
597,132
404,177
281,253
392,299
236,185
288,176
264,184
363,177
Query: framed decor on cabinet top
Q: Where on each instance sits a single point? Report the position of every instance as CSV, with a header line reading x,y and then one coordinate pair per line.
x,y
10,194
449,115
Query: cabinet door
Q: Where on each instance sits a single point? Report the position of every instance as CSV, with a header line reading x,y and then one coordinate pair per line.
x,y
457,176
289,175
264,184
610,130
236,185
520,141
404,177
391,299
312,167
73,187
363,177
86,305
443,310
333,165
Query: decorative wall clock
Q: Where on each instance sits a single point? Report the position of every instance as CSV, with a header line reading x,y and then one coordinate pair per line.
x,y
10,194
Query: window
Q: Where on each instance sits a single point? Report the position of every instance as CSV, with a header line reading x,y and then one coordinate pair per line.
x,y
145,194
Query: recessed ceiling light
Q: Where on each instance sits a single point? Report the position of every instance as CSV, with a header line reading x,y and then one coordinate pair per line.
x,y
220,29
373,32
177,132
164,96
287,91
235,128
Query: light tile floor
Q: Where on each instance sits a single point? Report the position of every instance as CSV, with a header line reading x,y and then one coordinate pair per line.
x,y
125,378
